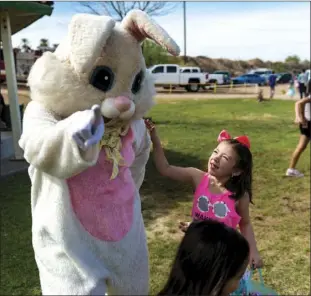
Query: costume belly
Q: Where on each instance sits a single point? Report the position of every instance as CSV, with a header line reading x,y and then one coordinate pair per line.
x,y
104,207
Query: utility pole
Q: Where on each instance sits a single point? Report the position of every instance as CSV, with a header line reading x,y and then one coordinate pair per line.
x,y
185,33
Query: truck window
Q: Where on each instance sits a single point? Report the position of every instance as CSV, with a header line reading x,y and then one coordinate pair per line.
x,y
186,71
195,71
171,69
159,69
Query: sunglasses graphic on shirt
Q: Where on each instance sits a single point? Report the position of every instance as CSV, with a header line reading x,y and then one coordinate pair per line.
x,y
219,208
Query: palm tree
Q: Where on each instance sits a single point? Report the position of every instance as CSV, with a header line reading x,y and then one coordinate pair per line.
x,y
25,45
55,45
44,44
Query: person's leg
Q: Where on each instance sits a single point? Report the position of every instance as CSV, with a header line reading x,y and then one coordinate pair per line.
x,y
301,90
302,145
304,90
272,92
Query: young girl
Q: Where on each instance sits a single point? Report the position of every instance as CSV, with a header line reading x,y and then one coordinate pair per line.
x,y
222,193
302,112
207,262
291,89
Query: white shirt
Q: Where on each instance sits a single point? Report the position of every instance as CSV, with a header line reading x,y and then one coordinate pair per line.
x,y
303,78
307,111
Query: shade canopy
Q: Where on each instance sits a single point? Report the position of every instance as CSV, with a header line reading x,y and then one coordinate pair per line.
x,y
24,13
16,16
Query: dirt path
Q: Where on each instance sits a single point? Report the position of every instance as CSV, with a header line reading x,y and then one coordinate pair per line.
x,y
214,96
24,96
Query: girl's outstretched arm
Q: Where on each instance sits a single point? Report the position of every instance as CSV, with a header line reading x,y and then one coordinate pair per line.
x,y
248,232
189,174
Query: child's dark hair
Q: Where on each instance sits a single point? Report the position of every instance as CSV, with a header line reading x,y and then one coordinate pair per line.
x,y
241,184
209,255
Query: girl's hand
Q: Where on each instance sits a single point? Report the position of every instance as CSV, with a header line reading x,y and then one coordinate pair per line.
x,y
183,226
149,124
152,131
255,260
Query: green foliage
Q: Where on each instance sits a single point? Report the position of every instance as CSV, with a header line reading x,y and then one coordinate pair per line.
x,y
279,67
293,59
154,54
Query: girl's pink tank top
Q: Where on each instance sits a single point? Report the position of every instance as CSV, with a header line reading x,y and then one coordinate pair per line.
x,y
220,207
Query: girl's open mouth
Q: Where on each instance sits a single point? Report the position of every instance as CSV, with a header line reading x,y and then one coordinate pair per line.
x,y
214,166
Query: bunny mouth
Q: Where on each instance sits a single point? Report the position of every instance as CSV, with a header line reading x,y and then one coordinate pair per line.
x,y
117,109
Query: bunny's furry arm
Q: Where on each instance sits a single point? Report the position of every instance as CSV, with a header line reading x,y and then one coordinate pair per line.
x,y
48,145
142,152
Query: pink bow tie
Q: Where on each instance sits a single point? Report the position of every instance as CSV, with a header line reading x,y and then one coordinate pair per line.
x,y
224,135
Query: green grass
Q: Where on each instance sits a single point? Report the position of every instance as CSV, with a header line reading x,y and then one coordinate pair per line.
x,y
188,129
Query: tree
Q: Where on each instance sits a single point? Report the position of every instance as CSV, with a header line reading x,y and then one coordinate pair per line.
x,y
155,54
306,64
279,67
119,9
25,47
294,59
55,45
44,44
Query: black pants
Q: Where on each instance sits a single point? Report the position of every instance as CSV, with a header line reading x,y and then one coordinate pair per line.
x,y
302,90
306,131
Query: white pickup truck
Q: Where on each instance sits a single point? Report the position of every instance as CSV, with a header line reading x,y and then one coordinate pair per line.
x,y
171,75
210,78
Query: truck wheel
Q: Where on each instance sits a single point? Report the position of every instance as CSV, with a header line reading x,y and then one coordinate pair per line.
x,y
193,86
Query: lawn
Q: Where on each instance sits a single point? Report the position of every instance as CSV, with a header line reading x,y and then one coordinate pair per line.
x,y
189,129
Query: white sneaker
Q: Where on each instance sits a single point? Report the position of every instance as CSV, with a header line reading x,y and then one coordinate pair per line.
x,y
293,173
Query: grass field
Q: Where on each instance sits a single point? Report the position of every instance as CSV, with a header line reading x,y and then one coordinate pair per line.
x,y
281,214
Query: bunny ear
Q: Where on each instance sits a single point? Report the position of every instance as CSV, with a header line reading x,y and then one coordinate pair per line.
x,y
87,36
141,26
223,135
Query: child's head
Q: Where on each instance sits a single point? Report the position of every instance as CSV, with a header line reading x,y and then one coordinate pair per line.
x,y
232,161
211,260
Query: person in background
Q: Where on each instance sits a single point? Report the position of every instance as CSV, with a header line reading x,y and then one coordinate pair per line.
x,y
272,83
309,87
2,106
291,87
302,83
302,110
211,260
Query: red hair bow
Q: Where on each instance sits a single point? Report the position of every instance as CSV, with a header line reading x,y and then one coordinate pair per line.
x,y
224,135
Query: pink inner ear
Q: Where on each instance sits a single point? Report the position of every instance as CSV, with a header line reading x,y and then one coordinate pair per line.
x,y
139,33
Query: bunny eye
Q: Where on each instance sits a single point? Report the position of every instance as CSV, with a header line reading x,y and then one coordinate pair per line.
x,y
137,82
102,78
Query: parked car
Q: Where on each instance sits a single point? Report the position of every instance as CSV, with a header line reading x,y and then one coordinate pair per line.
x,y
267,76
284,78
218,78
227,75
250,79
171,75
191,78
260,71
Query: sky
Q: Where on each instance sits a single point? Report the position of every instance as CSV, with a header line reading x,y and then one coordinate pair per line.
x,y
233,30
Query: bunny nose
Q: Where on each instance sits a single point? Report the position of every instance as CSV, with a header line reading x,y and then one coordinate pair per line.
x,y
122,103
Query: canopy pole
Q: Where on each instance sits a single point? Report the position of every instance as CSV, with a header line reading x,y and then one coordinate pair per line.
x,y
11,83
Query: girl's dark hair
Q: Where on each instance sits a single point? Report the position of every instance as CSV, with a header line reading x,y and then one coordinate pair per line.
x,y
209,255
241,184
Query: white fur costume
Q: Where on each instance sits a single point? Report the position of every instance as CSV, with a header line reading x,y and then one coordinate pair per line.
x,y
88,231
